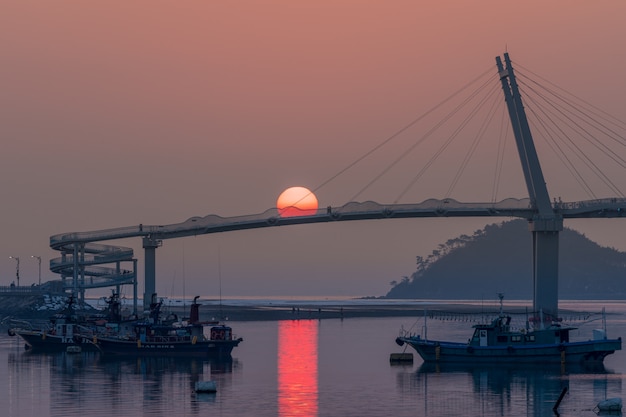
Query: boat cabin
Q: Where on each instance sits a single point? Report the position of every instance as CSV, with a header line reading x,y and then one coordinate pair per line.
x,y
221,333
499,333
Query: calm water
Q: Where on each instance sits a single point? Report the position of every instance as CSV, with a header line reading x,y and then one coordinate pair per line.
x,y
305,368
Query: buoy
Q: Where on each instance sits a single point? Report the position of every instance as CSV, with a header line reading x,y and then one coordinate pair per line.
x,y
206,386
610,404
401,357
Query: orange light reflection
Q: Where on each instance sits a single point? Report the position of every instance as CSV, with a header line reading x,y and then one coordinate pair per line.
x,y
297,368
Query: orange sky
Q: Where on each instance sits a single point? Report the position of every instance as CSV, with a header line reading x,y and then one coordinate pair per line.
x,y
118,113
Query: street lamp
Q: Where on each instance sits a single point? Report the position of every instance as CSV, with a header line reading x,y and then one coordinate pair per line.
x,y
39,259
17,269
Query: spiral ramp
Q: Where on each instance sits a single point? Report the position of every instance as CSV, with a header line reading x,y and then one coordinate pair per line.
x,y
91,273
84,264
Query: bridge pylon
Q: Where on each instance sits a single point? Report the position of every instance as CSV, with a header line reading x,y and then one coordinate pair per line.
x,y
546,223
150,244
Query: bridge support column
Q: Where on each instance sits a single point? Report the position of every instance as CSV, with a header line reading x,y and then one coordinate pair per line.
x,y
546,273
78,278
149,246
135,287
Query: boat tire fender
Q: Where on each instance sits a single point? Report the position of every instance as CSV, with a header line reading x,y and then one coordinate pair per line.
x,y
470,349
561,347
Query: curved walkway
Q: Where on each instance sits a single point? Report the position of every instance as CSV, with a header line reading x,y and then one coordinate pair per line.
x,y
83,259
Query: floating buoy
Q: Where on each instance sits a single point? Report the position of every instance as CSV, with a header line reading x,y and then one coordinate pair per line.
x,y
206,386
401,357
610,405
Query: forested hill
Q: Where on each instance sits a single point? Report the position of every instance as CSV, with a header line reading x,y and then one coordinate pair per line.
x,y
498,258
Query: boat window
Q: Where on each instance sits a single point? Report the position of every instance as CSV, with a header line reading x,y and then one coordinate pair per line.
x,y
516,338
530,338
502,339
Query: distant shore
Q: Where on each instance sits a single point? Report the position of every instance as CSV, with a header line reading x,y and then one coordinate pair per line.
x,y
332,311
35,308
363,309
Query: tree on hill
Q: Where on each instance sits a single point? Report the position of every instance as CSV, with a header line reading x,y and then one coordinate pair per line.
x,y
498,258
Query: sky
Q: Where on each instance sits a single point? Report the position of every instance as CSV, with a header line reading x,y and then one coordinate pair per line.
x,y
116,113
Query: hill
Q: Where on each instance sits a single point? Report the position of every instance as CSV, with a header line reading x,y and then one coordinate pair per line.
x,y
498,258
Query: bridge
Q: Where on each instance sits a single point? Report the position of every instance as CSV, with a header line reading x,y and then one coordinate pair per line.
x,y
93,265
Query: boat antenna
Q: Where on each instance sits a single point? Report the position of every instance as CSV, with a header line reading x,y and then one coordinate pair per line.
x,y
219,277
501,297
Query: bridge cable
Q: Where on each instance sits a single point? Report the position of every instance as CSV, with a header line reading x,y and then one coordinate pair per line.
x,y
504,130
584,111
552,131
400,131
479,135
599,112
421,140
591,138
574,147
445,144
542,126
584,117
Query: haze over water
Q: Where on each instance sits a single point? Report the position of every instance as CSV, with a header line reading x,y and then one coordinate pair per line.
x,y
327,367
116,114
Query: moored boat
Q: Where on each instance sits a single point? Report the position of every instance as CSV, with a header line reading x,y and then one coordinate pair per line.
x,y
166,338
499,342
64,330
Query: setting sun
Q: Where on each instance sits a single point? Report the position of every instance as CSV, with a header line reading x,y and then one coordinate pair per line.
x,y
296,201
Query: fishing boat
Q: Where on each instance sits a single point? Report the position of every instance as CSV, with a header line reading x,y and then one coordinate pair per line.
x,y
499,342
154,336
67,329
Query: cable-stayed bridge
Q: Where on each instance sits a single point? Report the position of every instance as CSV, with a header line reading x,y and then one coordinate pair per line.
x,y
91,265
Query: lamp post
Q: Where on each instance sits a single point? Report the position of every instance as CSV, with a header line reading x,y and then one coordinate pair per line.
x,y
17,269
38,259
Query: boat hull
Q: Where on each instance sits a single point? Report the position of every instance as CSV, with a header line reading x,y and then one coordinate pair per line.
x,y
204,348
37,341
592,351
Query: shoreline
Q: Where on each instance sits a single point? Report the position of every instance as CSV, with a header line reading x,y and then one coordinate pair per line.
x,y
338,310
331,311
38,308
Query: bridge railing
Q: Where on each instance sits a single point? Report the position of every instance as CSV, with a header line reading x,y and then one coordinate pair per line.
x,y
601,202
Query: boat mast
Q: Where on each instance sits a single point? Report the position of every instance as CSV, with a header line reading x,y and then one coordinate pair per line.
x,y
545,223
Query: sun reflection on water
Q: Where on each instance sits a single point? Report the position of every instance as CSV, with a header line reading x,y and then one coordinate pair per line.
x,y
297,368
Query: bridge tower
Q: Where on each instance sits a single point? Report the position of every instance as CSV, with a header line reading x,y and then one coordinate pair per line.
x,y
545,223
150,244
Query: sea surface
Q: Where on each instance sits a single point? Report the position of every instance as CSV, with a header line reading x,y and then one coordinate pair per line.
x,y
328,367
